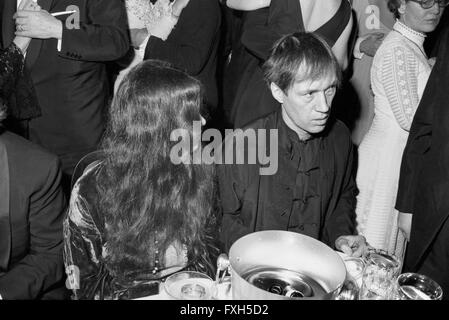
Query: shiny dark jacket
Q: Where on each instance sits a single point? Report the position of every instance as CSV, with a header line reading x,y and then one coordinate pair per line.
x,y
91,277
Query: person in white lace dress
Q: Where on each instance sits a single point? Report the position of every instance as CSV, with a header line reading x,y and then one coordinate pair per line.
x,y
149,18
398,77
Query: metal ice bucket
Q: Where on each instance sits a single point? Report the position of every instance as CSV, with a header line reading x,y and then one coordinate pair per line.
x,y
278,265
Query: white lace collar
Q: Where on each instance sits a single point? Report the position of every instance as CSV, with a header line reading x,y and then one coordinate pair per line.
x,y
412,35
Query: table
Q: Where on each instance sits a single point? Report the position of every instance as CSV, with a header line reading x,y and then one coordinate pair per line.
x,y
224,293
224,290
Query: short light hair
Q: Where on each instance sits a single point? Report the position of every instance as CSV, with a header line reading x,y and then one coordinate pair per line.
x,y
300,51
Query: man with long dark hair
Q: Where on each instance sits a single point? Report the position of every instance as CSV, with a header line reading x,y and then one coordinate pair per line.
x,y
136,217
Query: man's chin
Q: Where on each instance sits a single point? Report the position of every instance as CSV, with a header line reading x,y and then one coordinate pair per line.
x,y
318,128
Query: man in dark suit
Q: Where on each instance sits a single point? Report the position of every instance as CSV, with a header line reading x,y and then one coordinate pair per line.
x,y
192,46
31,212
424,181
66,60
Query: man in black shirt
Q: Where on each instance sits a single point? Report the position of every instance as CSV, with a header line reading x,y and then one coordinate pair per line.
x,y
313,190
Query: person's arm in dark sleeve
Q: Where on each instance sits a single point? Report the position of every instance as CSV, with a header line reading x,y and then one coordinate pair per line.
x,y
43,266
233,181
104,38
342,221
190,43
231,193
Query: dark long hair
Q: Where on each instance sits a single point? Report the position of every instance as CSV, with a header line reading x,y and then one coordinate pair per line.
x,y
147,201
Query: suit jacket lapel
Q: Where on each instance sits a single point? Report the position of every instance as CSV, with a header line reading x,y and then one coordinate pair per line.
x,y
8,25
35,45
5,224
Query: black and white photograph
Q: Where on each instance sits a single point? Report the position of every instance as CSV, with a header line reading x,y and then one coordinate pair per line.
x,y
213,156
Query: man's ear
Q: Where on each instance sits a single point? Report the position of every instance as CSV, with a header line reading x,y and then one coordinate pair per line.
x,y
277,93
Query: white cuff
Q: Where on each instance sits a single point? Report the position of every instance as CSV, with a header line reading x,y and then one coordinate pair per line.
x,y
143,46
357,53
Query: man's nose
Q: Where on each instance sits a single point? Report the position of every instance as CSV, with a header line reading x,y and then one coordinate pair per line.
x,y
323,103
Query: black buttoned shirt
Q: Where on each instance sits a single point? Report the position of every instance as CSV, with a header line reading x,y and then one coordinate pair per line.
x,y
312,193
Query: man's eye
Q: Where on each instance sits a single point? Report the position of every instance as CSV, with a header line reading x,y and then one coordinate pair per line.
x,y
330,91
308,95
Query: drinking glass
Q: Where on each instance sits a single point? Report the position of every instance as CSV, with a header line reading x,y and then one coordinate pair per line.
x,y
222,290
189,285
414,286
354,268
379,276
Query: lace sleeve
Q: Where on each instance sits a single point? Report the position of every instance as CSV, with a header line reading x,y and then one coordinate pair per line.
x,y
399,74
11,66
